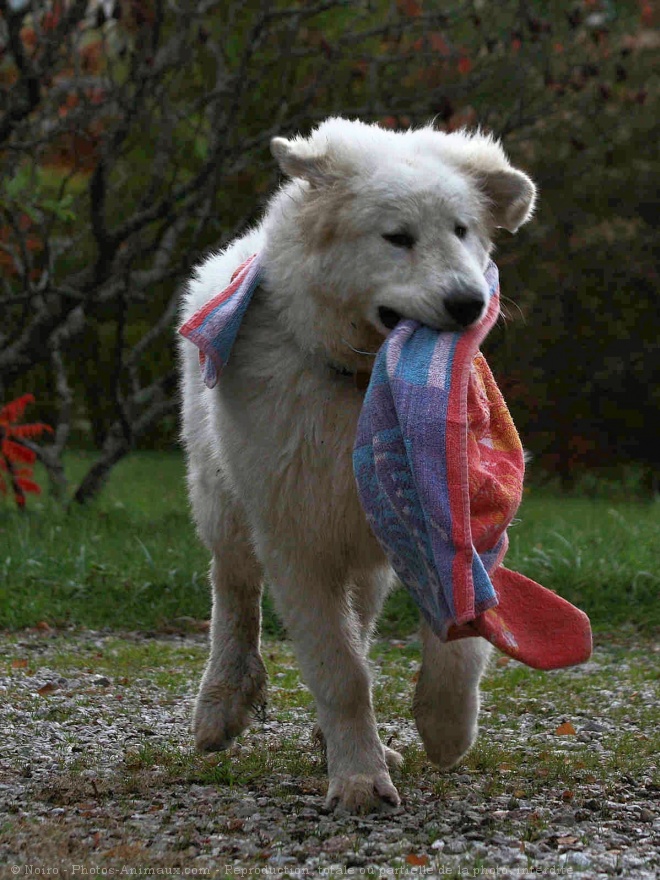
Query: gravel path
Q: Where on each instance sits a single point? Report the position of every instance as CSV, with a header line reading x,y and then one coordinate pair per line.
x,y
97,774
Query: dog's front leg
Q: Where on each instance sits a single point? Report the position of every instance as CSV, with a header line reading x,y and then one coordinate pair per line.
x,y
327,639
446,703
234,681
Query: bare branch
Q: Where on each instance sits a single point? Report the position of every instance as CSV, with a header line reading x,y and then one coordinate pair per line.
x,y
155,402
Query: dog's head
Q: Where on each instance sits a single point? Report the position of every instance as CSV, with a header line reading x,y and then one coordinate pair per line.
x,y
376,225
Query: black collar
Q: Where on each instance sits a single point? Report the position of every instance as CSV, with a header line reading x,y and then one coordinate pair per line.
x,y
360,377
341,371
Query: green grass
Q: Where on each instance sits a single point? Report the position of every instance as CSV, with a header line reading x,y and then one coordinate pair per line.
x,y
599,554
132,559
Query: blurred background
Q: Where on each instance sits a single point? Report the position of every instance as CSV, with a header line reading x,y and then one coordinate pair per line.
x,y
134,138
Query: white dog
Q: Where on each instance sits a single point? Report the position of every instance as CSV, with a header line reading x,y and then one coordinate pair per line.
x,y
373,225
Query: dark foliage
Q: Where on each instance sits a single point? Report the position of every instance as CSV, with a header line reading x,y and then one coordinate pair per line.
x,y
133,137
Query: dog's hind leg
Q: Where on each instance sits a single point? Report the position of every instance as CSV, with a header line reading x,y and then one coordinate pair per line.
x,y
315,604
234,682
446,702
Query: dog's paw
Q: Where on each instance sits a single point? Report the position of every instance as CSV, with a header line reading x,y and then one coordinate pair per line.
x,y
224,706
446,749
393,759
362,793
446,740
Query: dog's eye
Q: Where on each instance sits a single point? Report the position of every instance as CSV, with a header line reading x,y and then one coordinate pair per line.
x,y
460,231
400,239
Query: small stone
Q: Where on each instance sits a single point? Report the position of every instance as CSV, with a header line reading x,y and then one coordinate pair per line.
x,y
579,860
247,808
282,860
101,681
455,847
354,860
339,843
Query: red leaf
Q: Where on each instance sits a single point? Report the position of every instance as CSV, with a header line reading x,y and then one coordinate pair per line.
x,y
15,408
464,65
438,43
13,452
29,485
33,430
411,8
417,861
565,729
17,452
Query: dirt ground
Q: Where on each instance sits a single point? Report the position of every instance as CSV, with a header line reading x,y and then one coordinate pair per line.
x,y
98,775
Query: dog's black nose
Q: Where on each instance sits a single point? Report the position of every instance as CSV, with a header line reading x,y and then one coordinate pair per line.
x,y
464,309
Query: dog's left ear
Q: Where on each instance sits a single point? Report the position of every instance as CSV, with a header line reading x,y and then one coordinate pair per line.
x,y
512,196
297,158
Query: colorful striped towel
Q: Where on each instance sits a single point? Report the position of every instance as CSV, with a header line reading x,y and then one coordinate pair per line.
x,y
213,329
439,468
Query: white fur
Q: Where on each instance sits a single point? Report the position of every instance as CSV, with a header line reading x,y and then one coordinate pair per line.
x,y
269,449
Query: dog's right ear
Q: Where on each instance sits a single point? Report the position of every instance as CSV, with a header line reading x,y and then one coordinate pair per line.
x,y
297,158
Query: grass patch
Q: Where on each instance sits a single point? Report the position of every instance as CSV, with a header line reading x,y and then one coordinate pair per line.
x,y
173,765
132,559
600,555
127,659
